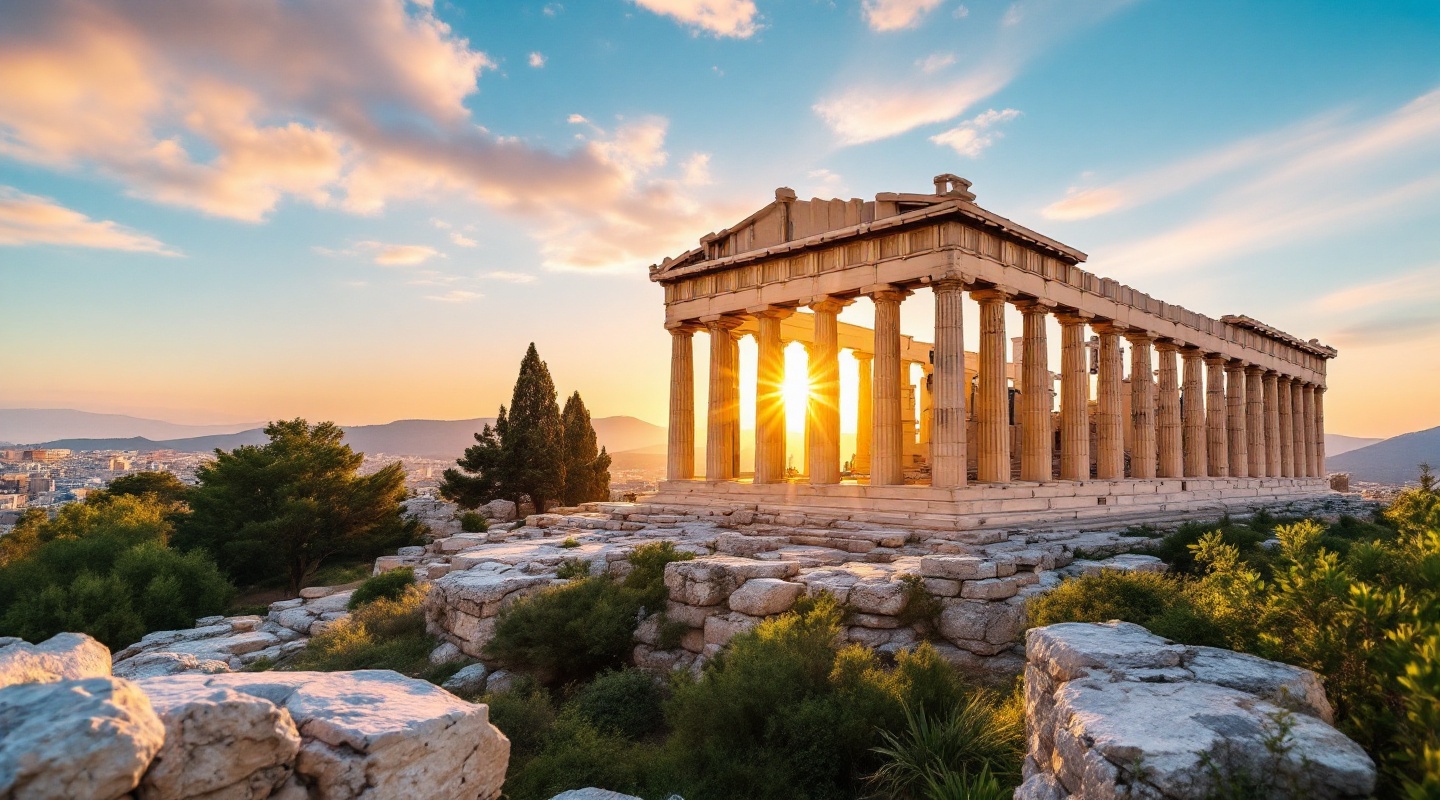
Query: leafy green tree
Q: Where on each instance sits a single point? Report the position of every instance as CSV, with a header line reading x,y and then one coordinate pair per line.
x,y
521,454
164,485
587,466
103,567
290,505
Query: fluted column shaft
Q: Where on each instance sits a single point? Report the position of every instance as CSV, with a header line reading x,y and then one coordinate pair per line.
x,y
948,439
722,427
1110,408
1142,408
680,450
1193,413
1217,443
885,465
992,418
1272,425
1237,428
1074,400
1320,469
1307,433
825,393
864,422
1287,427
1169,431
927,405
1036,456
1257,421
770,398
1298,435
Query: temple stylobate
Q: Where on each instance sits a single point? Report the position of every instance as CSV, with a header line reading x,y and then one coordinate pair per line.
x,y
1210,413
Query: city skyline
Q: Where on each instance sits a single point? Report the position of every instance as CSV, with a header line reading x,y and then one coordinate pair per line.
x,y
366,216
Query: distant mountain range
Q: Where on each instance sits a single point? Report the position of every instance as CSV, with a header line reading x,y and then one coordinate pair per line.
x,y
1395,460
33,425
413,437
1335,444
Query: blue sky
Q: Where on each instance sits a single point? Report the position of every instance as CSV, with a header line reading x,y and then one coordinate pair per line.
x,y
364,210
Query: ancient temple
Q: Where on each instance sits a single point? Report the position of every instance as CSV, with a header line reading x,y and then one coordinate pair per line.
x,y
1210,412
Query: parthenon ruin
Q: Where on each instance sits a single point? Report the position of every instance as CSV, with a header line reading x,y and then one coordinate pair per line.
x,y
1211,413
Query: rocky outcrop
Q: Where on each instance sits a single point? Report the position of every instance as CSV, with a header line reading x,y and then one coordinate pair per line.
x,y
368,735
1112,710
593,794
90,738
64,656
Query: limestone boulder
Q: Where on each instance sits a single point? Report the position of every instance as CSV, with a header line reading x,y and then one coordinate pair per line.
x,y
972,623
469,680
762,597
498,510
62,657
153,665
957,568
218,742
90,738
373,733
709,581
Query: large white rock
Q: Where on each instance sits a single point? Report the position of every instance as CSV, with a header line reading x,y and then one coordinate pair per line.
x,y
153,665
709,581
1113,710
88,738
761,597
218,740
62,657
374,734
593,794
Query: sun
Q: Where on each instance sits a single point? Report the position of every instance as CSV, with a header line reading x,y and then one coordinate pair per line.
x,y
796,389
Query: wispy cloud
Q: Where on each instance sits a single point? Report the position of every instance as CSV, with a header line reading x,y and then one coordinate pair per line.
x,y
890,104
1319,178
461,240
971,137
536,60
399,255
935,62
231,111
732,18
894,15
696,170
509,277
455,296
26,219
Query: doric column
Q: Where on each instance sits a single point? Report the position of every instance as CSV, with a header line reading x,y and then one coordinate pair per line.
x,y
948,443
1036,456
722,426
1074,400
992,413
680,451
1272,425
1320,469
1287,427
770,397
1169,431
864,421
1298,467
1257,421
825,392
927,405
1110,406
1237,430
885,465
909,424
1217,443
1142,407
1307,394
1192,409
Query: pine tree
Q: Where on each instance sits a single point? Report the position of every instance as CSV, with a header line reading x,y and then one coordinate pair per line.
x,y
519,456
587,468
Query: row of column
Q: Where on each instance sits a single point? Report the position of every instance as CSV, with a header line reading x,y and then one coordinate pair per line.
x,y
1204,415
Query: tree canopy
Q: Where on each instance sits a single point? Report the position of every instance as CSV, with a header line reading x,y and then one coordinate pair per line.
x,y
164,485
532,450
291,504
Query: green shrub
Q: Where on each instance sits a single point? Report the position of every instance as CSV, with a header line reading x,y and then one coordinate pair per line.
x,y
1158,602
647,575
474,522
566,633
525,714
575,754
387,585
627,702
570,543
970,748
572,568
921,609
385,633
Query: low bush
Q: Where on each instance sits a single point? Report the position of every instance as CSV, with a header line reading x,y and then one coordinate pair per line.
x,y
968,751
385,633
626,702
1159,602
387,585
474,522
570,543
573,632
572,568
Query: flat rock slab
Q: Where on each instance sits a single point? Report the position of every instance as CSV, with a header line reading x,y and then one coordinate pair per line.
x,y
62,657
90,738
373,734
218,741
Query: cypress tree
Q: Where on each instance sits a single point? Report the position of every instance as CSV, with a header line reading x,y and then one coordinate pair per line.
x,y
587,466
521,455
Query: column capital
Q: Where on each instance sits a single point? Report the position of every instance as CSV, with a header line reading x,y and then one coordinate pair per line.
x,y
861,356
722,322
1253,369
685,326
1072,316
770,312
1138,337
1191,351
951,283
991,293
1216,360
1032,305
1168,346
827,304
